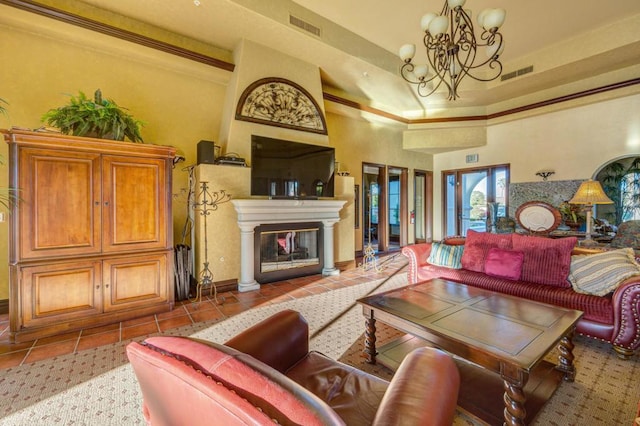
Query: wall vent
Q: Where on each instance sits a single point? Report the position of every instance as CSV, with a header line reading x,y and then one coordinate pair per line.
x,y
472,158
517,73
304,25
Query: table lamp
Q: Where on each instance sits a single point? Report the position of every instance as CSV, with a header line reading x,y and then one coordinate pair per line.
x,y
590,193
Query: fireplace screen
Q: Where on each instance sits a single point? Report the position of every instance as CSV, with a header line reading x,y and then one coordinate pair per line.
x,y
289,249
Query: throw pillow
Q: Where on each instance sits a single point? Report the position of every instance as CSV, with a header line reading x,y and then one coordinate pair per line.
x,y
477,246
546,260
504,263
602,273
446,255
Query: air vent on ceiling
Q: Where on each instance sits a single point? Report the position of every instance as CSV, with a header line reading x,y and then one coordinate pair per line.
x,y
517,73
304,25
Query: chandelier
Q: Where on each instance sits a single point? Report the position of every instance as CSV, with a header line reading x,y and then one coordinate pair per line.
x,y
453,51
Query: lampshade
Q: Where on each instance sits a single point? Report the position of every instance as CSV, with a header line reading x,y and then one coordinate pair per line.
x,y
590,192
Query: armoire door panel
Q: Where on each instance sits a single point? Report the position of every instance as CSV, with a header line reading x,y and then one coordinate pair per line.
x,y
60,292
136,280
60,203
134,204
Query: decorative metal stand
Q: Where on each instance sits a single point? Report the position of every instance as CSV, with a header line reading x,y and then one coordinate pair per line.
x,y
369,260
210,202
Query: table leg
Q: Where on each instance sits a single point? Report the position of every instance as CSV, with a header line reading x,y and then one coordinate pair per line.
x,y
565,358
514,399
370,339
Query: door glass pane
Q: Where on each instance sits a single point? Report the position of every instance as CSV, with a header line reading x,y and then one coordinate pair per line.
x,y
501,191
474,201
370,206
420,183
451,218
394,208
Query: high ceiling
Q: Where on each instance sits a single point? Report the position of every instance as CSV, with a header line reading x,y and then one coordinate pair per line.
x,y
356,51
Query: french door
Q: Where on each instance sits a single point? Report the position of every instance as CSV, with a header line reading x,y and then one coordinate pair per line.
x,y
466,193
385,207
422,216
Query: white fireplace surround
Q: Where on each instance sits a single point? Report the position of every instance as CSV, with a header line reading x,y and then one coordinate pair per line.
x,y
255,212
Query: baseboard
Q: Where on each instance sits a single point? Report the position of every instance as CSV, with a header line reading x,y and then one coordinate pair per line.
x,y
346,265
4,306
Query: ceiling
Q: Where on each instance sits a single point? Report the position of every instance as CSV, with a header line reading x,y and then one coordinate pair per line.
x,y
356,51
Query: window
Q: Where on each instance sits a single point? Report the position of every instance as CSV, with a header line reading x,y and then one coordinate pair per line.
x,y
620,180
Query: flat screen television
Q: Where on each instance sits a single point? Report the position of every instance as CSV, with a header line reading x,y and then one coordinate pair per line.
x,y
286,169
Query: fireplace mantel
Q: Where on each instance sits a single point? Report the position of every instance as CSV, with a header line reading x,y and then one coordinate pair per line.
x,y
254,212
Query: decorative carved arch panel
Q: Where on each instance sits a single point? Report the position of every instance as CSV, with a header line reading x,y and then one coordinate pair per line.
x,y
279,102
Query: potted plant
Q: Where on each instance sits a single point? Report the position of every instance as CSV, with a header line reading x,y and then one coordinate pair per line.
x,y
572,215
101,118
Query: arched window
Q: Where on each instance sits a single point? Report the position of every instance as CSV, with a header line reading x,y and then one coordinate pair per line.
x,y
620,179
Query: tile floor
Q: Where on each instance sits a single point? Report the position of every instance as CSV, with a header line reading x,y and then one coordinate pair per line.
x,y
184,313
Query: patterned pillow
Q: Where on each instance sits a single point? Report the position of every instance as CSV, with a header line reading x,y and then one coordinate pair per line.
x,y
546,260
602,273
446,255
477,246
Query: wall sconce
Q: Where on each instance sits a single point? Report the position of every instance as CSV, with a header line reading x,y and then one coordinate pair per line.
x,y
545,174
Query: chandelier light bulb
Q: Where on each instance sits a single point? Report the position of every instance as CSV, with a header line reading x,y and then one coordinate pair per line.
x,y
455,3
494,19
438,25
421,71
495,50
481,16
407,52
426,20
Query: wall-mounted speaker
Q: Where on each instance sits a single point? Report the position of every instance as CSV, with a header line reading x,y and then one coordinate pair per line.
x,y
206,152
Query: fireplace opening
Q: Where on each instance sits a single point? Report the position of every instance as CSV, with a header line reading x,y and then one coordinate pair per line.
x,y
287,250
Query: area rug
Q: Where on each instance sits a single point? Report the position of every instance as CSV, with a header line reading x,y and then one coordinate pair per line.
x,y
98,387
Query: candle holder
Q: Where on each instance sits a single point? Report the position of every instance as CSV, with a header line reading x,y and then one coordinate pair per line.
x,y
209,203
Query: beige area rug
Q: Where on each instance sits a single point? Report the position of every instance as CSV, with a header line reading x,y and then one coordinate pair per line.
x,y
98,387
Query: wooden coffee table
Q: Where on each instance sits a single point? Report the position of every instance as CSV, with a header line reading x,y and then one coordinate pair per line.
x,y
506,336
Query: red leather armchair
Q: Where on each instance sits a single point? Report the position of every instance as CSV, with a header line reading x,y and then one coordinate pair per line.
x,y
267,374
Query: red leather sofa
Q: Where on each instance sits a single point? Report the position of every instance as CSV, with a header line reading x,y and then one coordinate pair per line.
x,y
614,318
267,375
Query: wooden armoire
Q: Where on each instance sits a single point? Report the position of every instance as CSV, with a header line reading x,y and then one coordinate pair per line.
x,y
91,239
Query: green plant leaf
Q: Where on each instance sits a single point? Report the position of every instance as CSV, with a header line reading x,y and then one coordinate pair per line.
x,y
98,117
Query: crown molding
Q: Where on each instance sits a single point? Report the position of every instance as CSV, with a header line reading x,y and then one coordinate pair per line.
x,y
100,27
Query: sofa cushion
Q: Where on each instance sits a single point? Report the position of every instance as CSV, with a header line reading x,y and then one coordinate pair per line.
x,y
477,246
350,392
546,260
446,255
602,273
504,263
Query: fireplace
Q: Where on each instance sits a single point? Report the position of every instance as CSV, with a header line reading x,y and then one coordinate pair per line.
x,y
287,250
255,215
